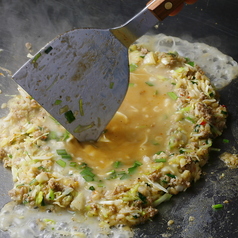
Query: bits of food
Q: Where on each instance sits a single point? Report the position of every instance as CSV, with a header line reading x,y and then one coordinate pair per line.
x,y
154,147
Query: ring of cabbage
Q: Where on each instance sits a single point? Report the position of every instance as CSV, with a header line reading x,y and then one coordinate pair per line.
x,y
153,148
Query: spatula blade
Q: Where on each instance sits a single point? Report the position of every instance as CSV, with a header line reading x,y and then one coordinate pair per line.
x,y
80,78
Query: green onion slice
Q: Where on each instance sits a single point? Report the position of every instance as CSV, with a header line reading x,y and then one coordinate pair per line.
x,y
72,164
226,141
117,164
149,83
133,67
69,116
171,175
172,95
39,198
217,206
87,174
160,160
131,170
61,152
57,102
88,178
66,156
61,163
51,195
36,58
159,152
47,51
91,188
142,198
111,85
81,111
163,198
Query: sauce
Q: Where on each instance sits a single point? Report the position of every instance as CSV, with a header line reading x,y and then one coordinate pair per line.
x,y
140,127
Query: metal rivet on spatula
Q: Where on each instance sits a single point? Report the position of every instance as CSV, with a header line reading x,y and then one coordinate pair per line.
x,y
168,5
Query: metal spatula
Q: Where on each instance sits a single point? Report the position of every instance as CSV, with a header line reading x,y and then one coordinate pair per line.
x,y
81,77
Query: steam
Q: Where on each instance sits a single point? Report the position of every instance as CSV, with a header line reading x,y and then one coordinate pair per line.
x,y
38,22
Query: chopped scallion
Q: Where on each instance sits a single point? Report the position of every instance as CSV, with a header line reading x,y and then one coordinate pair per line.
x,y
191,63
52,136
172,95
185,109
91,188
36,58
159,152
171,175
61,152
51,195
81,111
66,136
72,164
162,199
215,149
87,174
124,176
188,61
111,85
81,128
196,128
174,54
181,151
64,109
39,198
57,102
131,170
69,116
142,198
117,164
224,112
190,119
20,185
88,178
33,181
149,83
112,175
49,221
47,51
66,156
211,95
61,163
82,165
217,206
160,160
41,168
87,171
133,67
226,141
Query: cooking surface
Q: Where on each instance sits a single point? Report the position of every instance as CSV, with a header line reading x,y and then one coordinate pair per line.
x,y
213,22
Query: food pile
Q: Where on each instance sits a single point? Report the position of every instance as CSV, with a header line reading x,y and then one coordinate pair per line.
x,y
157,143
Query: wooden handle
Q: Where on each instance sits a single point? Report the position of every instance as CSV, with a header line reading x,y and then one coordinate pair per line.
x,y
162,8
